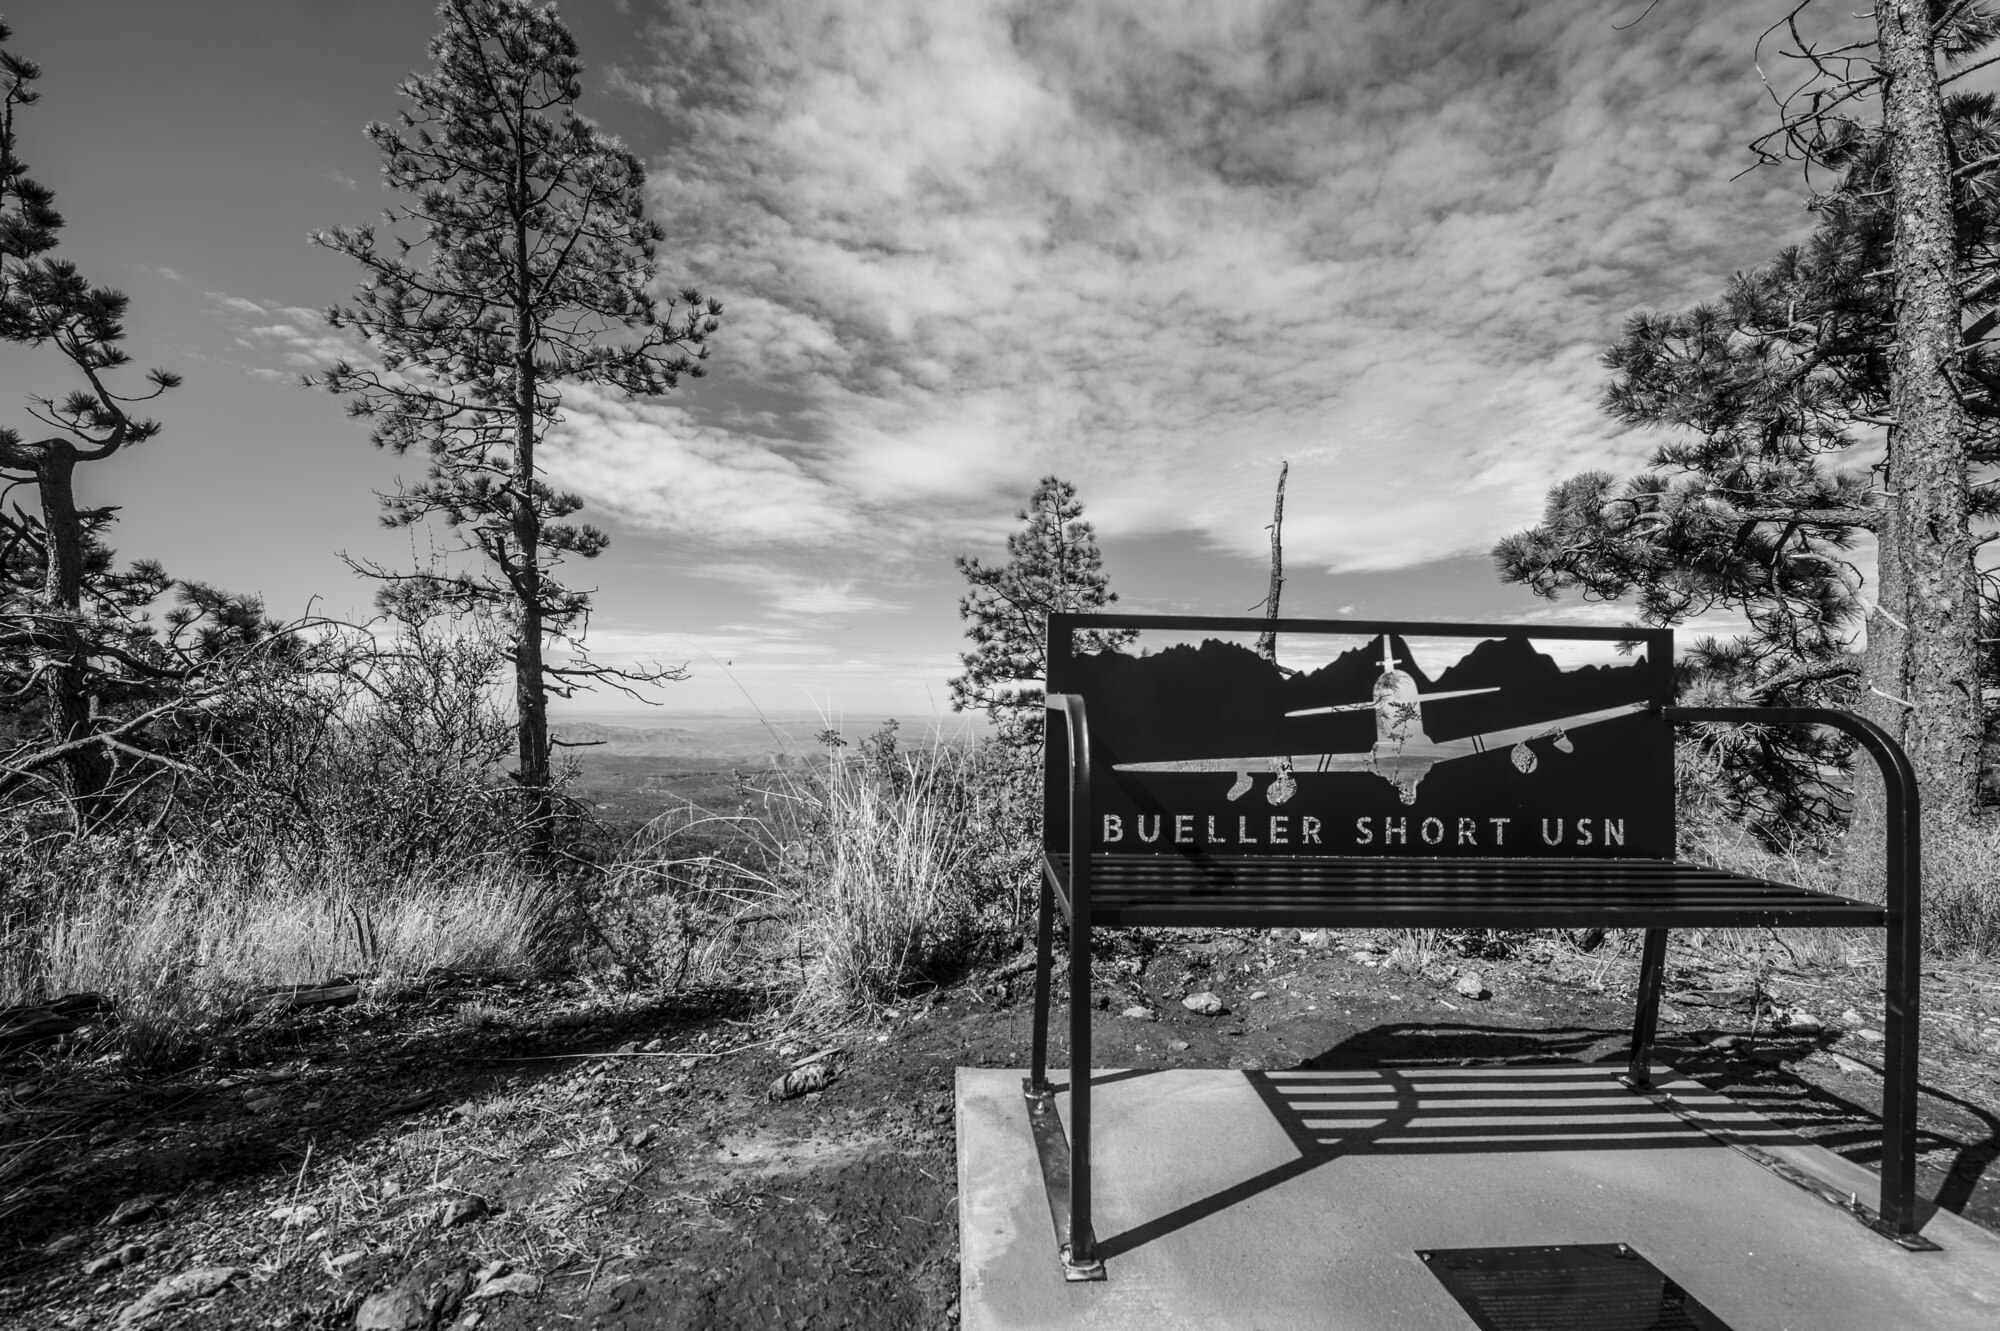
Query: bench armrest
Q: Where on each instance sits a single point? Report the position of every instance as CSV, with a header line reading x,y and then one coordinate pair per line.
x,y
1070,707
1903,896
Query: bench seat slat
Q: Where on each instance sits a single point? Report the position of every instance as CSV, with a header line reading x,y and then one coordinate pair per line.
x,y
1221,892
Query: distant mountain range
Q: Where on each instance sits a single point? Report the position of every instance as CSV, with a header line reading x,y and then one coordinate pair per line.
x,y
747,743
730,741
653,739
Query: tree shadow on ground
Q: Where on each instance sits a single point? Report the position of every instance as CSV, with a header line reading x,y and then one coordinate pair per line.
x,y
314,1086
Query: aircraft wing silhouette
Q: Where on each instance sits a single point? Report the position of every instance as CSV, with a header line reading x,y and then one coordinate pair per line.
x,y
1445,750
1371,704
1310,762
1364,760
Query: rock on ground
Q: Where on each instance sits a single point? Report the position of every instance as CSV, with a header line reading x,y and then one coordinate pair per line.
x,y
186,1287
398,1308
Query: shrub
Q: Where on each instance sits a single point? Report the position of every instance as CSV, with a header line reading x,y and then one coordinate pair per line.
x,y
383,760
683,903
342,813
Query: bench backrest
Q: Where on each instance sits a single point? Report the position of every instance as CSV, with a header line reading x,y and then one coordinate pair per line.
x,y
1505,746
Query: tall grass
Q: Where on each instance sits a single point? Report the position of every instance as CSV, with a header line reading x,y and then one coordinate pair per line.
x,y
899,866
347,816
691,902
1726,845
845,885
876,872
187,956
1962,889
838,891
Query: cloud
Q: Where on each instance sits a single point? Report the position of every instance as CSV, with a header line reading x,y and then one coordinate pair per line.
x,y
1159,248
795,602
828,599
234,304
658,466
295,338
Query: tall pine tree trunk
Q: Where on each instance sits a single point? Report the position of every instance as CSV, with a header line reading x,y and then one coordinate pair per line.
x,y
1920,667
530,689
66,657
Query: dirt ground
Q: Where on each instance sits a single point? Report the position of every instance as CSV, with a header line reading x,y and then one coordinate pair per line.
x,y
478,1153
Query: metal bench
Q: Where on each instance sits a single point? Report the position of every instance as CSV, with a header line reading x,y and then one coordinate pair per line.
x,y
1203,786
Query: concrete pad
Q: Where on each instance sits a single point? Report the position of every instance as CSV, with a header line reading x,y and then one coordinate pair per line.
x,y
1282,1200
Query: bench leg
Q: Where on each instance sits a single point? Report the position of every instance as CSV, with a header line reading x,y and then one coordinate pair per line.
x,y
1652,972
1065,1159
1899,1080
1080,1258
1038,1069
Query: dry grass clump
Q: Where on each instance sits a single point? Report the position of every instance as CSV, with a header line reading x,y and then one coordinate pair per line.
x,y
877,875
900,865
1962,889
839,890
182,953
845,884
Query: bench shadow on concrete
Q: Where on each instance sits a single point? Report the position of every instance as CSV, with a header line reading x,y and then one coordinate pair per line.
x,y
1441,1089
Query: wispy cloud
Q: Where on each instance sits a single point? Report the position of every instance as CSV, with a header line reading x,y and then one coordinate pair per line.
x,y
831,599
795,601
657,465
281,341
234,304
1158,248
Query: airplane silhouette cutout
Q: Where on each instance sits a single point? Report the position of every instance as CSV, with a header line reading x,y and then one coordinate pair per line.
x,y
1402,753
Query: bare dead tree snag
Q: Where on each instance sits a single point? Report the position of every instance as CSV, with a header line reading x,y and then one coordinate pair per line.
x,y
1267,644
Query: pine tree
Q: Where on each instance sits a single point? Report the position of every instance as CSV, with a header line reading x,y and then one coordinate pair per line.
x,y
71,623
1053,566
531,269
1857,330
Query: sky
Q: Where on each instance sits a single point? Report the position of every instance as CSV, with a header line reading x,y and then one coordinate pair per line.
x,y
1157,247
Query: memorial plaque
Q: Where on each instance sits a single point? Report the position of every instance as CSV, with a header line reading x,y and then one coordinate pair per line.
x,y
1208,749
1567,1287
